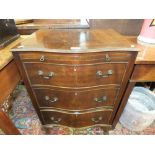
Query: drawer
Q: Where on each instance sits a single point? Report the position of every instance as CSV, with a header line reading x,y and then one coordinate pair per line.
x,y
76,119
75,76
75,99
143,73
82,58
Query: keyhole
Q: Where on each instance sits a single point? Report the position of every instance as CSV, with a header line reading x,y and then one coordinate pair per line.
x,y
76,113
74,69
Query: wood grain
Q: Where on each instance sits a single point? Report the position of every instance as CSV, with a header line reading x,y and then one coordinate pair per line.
x,y
76,99
9,78
75,41
71,58
143,73
75,76
76,120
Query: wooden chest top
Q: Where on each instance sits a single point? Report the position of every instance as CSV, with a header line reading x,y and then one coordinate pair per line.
x,y
75,41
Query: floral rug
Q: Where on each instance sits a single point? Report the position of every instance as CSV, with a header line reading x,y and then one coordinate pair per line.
x,y
26,120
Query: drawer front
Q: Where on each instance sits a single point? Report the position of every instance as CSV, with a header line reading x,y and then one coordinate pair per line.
x,y
76,119
82,58
75,76
143,73
75,100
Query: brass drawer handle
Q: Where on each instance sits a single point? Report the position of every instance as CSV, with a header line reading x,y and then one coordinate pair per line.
x,y
104,75
100,99
97,120
107,58
50,74
54,99
42,58
55,120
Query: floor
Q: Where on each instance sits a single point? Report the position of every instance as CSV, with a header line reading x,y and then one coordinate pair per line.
x,y
26,120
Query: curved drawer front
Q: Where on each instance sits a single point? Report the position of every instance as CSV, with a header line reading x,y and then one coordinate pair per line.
x,y
76,119
83,58
75,99
75,76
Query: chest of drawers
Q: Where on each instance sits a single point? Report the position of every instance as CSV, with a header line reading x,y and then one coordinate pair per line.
x,y
76,78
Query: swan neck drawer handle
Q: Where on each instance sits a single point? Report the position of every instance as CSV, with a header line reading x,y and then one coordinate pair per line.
x,y
107,58
48,76
100,99
52,100
104,75
55,120
97,120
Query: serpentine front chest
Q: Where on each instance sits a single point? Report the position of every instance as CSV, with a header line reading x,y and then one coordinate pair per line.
x,y
76,78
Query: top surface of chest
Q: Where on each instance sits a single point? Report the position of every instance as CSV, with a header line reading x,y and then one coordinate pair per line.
x,y
75,41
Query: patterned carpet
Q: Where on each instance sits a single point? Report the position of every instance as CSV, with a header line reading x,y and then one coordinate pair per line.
x,y
26,120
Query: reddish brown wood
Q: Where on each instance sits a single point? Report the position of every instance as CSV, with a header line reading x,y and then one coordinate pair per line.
x,y
71,58
75,76
76,120
72,99
6,124
143,73
75,56
75,41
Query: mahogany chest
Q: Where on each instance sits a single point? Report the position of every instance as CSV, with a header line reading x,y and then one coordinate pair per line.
x,y
76,78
